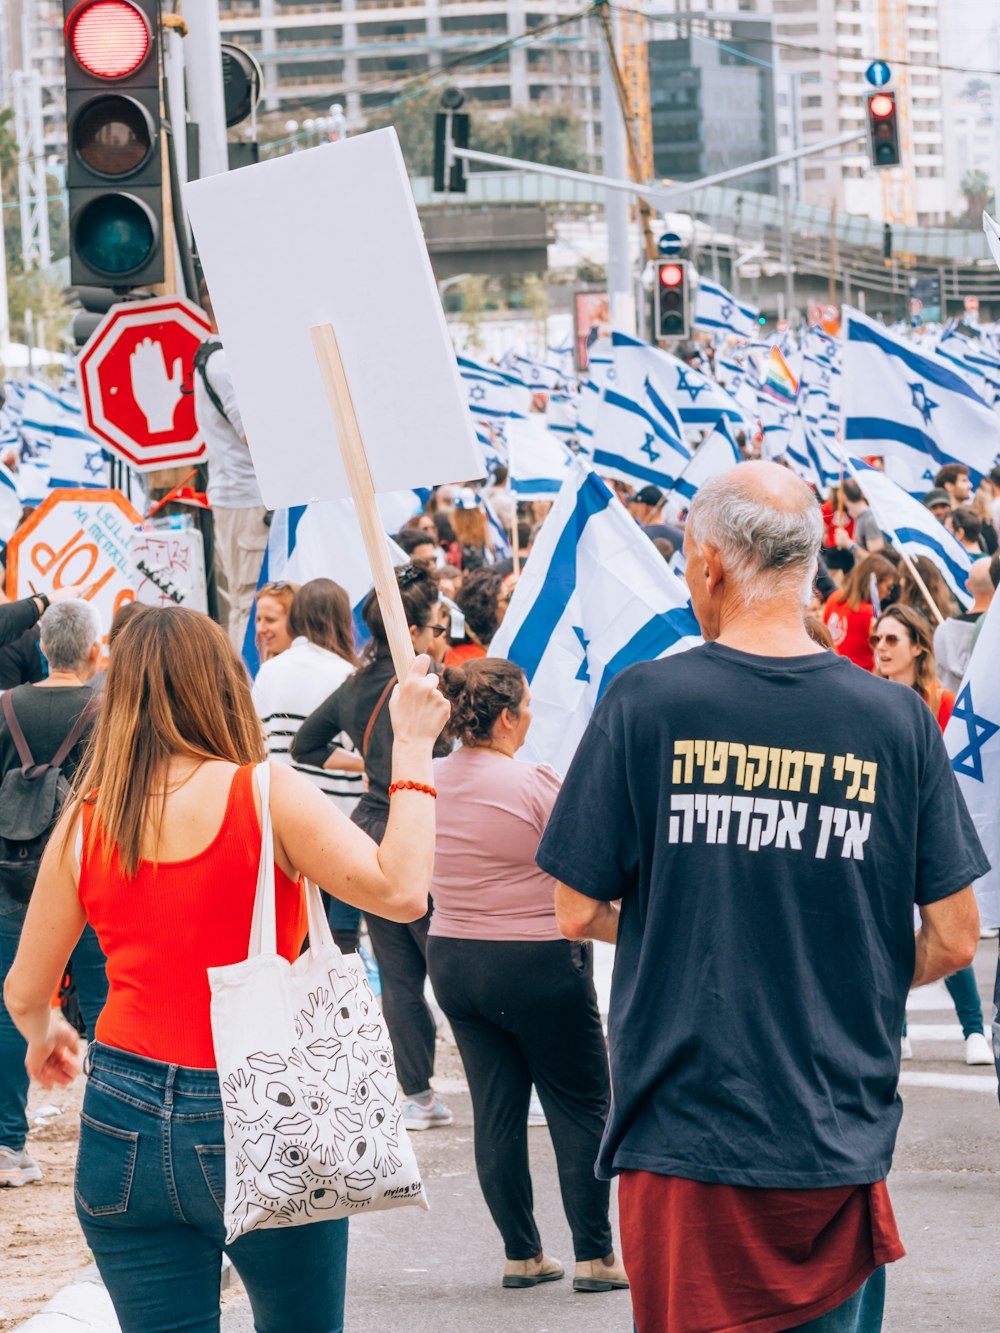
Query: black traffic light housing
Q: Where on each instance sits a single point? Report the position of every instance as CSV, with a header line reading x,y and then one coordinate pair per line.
x,y
671,299
114,169
451,130
882,116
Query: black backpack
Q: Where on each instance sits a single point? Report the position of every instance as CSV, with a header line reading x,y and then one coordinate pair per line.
x,y
31,801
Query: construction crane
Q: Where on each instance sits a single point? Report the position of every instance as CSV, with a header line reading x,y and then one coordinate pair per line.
x,y
897,184
631,80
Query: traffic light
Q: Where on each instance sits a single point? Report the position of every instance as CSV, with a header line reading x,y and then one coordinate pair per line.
x,y
451,126
883,130
114,170
671,299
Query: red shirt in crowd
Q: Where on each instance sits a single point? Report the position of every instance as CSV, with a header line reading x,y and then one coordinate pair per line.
x,y
850,629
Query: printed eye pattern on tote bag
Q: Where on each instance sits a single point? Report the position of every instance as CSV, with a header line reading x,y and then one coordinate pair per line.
x,y
309,1091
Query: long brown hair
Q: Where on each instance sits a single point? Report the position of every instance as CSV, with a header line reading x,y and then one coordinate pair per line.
x,y
911,595
174,686
919,629
857,585
321,613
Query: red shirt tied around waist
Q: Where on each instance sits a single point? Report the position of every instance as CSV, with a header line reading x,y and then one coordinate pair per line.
x,y
158,995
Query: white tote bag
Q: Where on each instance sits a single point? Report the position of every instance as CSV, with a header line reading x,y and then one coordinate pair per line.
x,y
308,1080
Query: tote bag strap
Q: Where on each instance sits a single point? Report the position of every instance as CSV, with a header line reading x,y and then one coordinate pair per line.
x,y
263,927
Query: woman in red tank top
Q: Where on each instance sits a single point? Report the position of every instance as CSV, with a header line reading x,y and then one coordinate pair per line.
x,y
159,851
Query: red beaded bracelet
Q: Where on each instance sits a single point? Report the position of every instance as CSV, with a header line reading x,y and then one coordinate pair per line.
x,y
413,786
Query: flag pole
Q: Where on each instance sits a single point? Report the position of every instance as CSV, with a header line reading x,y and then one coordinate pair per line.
x,y
515,554
897,543
352,449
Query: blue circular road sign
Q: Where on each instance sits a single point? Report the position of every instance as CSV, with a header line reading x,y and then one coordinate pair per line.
x,y
669,243
878,73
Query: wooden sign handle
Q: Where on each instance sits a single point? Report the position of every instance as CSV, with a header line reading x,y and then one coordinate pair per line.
x,y
359,477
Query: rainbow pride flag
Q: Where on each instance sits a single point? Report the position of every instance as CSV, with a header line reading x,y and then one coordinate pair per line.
x,y
779,381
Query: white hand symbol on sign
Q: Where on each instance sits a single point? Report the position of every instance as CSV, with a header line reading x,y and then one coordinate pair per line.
x,y
156,393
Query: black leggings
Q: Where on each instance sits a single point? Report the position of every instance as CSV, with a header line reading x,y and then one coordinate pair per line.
x,y
400,950
526,1012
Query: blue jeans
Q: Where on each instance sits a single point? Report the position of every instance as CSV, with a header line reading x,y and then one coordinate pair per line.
x,y
150,1190
92,989
860,1313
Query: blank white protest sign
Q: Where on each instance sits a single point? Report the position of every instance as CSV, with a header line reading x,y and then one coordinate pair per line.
x,y
331,236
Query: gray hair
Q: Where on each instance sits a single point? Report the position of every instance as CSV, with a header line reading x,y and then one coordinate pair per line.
x,y
767,550
69,631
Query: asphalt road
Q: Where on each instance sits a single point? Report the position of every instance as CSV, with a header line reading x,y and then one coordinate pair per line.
x,y
440,1271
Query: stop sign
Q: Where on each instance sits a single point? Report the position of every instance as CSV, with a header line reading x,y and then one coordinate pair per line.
x,y
136,377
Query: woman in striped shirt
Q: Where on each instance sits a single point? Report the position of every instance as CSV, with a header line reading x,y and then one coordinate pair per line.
x,y
287,689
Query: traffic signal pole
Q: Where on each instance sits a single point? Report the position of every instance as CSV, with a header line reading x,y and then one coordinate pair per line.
x,y
663,196
205,98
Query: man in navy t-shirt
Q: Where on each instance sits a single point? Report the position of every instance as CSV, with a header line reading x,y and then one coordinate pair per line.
x,y
767,814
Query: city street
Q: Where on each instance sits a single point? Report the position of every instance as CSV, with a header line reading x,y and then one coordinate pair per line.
x,y
441,1270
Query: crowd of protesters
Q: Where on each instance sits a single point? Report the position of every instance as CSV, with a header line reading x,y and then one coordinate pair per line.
x,y
455,891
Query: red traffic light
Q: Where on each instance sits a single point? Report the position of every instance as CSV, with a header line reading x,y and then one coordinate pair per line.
x,y
882,105
671,275
108,38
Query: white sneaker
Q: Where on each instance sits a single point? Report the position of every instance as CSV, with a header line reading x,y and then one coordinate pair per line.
x,y
977,1050
17,1168
905,1048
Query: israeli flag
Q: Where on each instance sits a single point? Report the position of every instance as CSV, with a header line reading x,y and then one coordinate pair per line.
x,y
538,461
321,540
911,527
972,739
645,374
499,536
719,310
493,444
595,597
900,401
537,375
10,503
492,392
634,444
776,422
717,455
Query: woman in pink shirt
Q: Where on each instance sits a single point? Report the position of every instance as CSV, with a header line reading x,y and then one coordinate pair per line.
x,y
520,998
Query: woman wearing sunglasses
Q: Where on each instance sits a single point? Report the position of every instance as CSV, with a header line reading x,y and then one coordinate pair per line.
x,y
358,708
902,642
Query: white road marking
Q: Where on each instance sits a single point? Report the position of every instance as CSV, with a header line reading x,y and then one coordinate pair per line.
x,y
954,1082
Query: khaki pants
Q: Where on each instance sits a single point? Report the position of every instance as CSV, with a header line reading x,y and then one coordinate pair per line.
x,y
240,542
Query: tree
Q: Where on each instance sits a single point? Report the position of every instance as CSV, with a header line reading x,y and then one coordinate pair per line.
x,y
978,196
35,291
549,134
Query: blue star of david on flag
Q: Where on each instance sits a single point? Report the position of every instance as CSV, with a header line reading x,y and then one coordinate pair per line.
x,y
979,730
647,448
727,309
692,390
583,674
477,393
94,462
924,405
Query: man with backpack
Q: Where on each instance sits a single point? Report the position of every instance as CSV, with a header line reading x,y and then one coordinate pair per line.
x,y
239,516
43,734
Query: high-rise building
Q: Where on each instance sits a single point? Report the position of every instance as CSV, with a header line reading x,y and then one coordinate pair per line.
x,y
821,49
358,52
711,91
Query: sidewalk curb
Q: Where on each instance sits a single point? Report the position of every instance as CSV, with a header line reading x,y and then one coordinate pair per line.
x,y
84,1306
